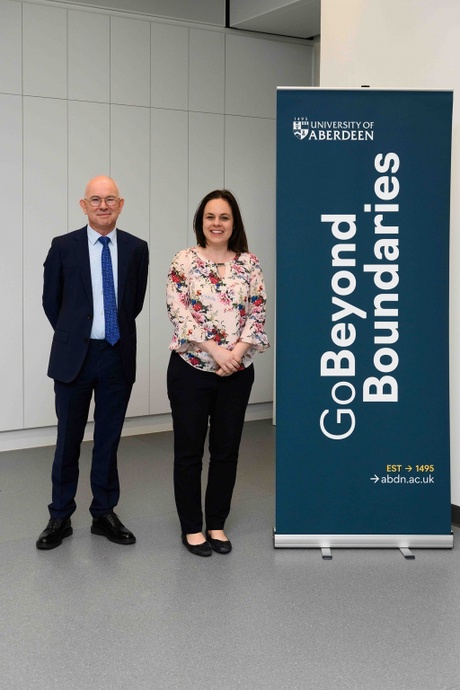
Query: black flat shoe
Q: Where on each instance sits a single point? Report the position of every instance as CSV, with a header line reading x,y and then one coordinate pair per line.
x,y
110,526
56,530
218,545
203,549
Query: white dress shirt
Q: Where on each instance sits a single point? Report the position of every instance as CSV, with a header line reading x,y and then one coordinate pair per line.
x,y
95,252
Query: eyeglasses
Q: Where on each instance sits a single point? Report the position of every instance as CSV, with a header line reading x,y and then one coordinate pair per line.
x,y
96,201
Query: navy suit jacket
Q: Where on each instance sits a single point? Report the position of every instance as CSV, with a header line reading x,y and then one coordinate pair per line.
x,y
68,300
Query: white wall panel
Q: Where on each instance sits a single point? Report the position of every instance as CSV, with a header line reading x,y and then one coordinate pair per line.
x,y
143,101
130,165
169,87
89,152
255,67
207,71
45,51
168,235
130,62
130,137
89,56
250,175
11,365
10,47
45,216
206,160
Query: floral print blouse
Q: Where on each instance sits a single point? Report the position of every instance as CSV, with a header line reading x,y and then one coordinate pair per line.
x,y
203,305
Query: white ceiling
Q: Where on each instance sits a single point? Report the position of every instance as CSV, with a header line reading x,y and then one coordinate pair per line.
x,y
297,18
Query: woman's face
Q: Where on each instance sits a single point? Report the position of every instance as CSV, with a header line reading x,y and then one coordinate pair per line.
x,y
217,223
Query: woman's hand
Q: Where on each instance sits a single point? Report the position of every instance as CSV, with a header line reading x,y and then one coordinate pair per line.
x,y
228,361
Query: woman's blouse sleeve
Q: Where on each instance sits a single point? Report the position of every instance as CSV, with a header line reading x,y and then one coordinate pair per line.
x,y
186,327
253,330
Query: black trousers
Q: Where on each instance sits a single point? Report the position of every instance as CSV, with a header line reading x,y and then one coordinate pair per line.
x,y
103,374
198,397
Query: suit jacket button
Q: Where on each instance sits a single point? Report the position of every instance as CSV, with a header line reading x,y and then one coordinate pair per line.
x,y
86,340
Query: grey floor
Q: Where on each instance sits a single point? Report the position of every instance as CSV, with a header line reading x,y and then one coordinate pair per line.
x,y
97,616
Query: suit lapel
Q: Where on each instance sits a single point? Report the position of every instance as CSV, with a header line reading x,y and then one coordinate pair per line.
x,y
82,254
123,262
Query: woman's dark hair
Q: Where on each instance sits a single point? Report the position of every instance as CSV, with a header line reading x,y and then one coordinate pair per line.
x,y
238,241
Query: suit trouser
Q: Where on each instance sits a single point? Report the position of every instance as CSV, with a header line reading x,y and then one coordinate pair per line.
x,y
102,373
197,397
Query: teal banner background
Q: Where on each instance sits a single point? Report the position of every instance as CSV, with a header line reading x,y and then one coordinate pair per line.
x,y
339,154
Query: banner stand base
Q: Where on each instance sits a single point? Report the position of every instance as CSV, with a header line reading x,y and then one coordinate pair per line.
x,y
326,554
407,553
326,542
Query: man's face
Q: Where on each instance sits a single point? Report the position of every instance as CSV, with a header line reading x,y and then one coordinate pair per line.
x,y
102,204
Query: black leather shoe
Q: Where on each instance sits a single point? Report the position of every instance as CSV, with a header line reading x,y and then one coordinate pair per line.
x,y
110,526
56,530
199,550
218,545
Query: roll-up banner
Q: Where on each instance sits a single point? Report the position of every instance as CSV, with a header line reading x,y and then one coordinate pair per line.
x,y
362,403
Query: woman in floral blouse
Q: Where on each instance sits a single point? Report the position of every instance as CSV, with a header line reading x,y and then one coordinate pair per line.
x,y
216,302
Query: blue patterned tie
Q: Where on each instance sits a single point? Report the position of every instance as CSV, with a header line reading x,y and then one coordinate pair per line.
x,y
112,332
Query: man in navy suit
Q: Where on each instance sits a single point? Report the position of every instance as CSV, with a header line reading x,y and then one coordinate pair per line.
x,y
83,362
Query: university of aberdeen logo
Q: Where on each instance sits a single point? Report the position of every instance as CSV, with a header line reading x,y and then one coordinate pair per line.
x,y
332,130
300,127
